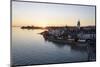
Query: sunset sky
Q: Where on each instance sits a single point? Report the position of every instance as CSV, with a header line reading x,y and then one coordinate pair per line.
x,y
42,14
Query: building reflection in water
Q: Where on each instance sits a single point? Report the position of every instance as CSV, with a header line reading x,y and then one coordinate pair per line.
x,y
89,48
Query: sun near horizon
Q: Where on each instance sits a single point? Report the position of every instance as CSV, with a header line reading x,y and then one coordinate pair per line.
x,y
42,14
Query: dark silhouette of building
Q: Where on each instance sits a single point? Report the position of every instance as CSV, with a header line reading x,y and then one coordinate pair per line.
x,y
78,24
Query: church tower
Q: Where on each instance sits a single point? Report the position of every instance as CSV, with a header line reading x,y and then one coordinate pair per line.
x,y
78,24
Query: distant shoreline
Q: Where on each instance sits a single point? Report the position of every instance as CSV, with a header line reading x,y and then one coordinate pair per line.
x,y
55,27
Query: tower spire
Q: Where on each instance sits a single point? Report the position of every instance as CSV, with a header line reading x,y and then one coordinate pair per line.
x,y
78,24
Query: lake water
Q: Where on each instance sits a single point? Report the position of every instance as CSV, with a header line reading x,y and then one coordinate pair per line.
x,y
29,47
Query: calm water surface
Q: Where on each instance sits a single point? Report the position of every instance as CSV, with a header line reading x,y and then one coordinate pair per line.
x,y
29,47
